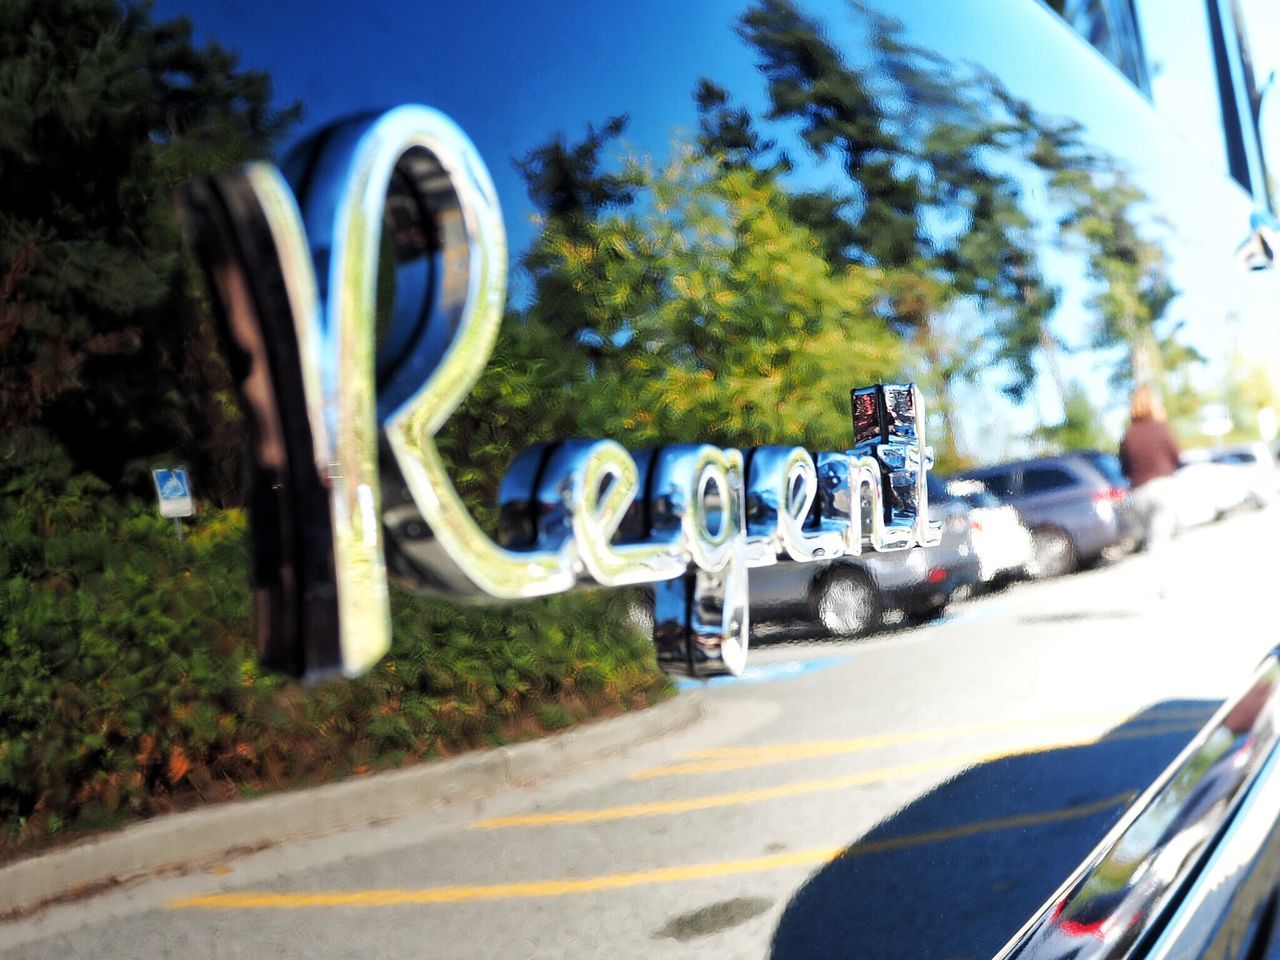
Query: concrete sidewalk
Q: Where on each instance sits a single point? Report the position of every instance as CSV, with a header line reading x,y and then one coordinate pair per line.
x,y
188,840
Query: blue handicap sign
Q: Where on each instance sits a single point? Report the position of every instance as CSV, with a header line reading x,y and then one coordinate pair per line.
x,y
174,492
172,484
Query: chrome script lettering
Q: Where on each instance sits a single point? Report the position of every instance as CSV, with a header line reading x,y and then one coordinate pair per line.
x,y
689,519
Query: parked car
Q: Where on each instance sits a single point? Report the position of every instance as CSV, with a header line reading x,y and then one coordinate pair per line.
x,y
849,597
1206,491
1001,541
1067,504
1257,468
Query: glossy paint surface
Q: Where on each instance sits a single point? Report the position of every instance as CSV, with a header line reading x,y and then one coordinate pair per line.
x,y
967,111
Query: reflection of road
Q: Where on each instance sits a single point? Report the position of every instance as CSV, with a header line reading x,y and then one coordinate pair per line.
x,y
956,774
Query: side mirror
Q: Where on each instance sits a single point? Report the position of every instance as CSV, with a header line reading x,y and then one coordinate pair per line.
x,y
1258,252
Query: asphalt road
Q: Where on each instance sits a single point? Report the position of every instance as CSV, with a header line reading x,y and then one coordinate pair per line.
x,y
917,794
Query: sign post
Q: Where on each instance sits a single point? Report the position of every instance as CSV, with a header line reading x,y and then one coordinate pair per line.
x,y
174,491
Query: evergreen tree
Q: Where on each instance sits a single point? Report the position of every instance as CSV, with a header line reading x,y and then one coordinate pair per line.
x,y
1080,428
105,346
931,206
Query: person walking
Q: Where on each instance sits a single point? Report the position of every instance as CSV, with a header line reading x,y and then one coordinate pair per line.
x,y
1149,455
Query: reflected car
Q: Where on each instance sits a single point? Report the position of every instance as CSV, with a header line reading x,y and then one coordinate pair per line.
x,y
850,597
1068,505
1205,490
1256,465
1001,541
1108,464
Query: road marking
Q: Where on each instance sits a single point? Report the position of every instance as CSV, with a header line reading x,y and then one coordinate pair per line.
x,y
725,759
799,788
302,899
766,672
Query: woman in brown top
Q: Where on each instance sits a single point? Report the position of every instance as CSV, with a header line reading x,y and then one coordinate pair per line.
x,y
1149,455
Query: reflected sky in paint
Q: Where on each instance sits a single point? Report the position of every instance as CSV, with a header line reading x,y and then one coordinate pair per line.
x,y
513,76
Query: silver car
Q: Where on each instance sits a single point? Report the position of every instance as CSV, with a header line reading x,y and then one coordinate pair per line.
x,y
1070,508
849,597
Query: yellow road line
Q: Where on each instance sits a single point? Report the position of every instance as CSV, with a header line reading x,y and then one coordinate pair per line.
x,y
269,900
799,788
723,759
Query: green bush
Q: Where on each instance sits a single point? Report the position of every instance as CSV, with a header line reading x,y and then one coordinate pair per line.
x,y
128,684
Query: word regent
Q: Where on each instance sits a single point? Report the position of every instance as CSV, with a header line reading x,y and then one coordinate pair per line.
x,y
349,486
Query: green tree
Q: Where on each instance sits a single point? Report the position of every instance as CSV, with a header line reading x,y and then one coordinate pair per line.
x,y
698,310
917,139
755,337
103,346
1130,271
1248,389
1080,428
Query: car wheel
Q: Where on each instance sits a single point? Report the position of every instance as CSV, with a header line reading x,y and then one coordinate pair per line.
x,y
637,614
1051,554
847,603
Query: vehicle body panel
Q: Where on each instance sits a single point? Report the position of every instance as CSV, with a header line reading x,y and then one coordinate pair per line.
x,y
519,78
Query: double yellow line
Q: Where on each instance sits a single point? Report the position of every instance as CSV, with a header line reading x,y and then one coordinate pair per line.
x,y
303,899
726,759
804,787
733,758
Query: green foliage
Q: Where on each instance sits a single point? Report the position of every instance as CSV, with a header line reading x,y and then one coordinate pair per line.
x,y
101,342
1246,389
1080,428
704,312
1249,388
128,685
929,200
127,682
753,336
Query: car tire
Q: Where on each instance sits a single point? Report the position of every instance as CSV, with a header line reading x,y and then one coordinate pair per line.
x,y
1052,554
638,614
847,603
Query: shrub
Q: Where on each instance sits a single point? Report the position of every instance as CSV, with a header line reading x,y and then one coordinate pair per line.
x,y
128,684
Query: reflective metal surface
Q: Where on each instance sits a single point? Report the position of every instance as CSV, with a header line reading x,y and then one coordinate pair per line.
x,y
1258,252
414,170
782,487
1161,883
1021,206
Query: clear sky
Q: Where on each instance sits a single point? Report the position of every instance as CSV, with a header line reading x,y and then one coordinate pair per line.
x,y
337,59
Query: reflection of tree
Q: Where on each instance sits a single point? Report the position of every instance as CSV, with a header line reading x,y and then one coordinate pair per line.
x,y
939,160
713,313
1131,273
659,289
570,188
1109,218
694,308
932,202
103,348
1248,388
1080,428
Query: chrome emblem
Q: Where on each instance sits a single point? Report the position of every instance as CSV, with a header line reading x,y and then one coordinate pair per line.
x,y
349,484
